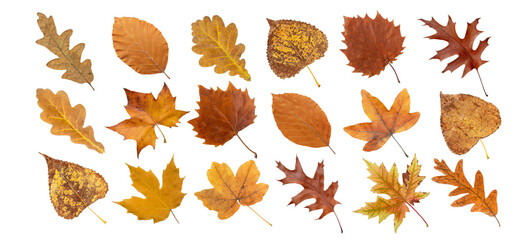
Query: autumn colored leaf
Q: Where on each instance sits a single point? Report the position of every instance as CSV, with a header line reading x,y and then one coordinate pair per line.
x,y
401,196
474,195
140,45
69,60
158,202
384,123
73,188
223,114
466,55
301,120
372,44
229,191
217,44
146,113
66,120
293,45
465,120
313,188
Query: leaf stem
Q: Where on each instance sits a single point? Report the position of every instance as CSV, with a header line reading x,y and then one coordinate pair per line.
x,y
397,76
164,139
484,148
331,149
318,85
166,74
260,216
417,213
399,145
94,213
481,81
174,216
255,155
341,231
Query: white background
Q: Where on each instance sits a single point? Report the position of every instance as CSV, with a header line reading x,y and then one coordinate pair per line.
x,y
26,210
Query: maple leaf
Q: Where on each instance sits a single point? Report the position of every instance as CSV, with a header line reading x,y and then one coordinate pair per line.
x,y
372,44
69,60
217,44
466,55
223,114
158,202
293,45
72,188
313,188
465,120
229,191
474,195
146,113
140,45
301,120
385,122
66,120
401,196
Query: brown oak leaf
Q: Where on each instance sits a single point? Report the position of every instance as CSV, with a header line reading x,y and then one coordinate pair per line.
x,y
223,114
313,188
146,113
474,195
466,55
372,44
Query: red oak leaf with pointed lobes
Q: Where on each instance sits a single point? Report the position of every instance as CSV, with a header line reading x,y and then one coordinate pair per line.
x,y
313,188
462,47
146,113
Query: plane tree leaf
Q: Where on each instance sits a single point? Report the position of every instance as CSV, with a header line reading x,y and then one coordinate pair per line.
x,y
217,44
68,59
66,120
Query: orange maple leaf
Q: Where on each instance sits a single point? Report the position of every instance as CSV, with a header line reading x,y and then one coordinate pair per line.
x,y
458,46
313,188
146,113
223,114
372,44
384,123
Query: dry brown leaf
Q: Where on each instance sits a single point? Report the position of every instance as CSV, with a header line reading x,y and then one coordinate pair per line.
x,y
66,120
140,45
301,120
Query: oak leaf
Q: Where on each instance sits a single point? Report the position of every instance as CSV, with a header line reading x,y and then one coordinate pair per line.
x,y
223,114
466,55
73,188
385,122
401,196
474,195
229,191
217,44
465,120
301,120
140,45
293,45
158,202
146,113
372,44
66,120
313,188
69,60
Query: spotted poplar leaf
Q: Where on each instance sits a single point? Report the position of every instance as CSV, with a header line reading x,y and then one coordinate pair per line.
x,y
401,196
217,44
66,120
159,201
72,188
68,59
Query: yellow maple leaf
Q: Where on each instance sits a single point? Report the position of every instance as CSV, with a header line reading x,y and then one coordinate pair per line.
x,y
66,120
158,202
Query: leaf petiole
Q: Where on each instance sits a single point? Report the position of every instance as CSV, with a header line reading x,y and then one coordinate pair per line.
x,y
484,148
174,216
417,213
260,216
164,139
318,85
397,76
255,155
399,145
481,81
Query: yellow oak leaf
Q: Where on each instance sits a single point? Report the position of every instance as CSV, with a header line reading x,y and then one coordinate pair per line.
x,y
231,191
69,60
217,44
66,120
158,202
146,113
73,188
